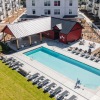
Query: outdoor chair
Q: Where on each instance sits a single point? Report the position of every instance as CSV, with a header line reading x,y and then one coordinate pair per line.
x,y
6,59
62,95
48,88
14,64
45,82
81,43
70,49
83,53
92,57
97,59
17,66
33,76
23,72
11,62
3,57
56,91
41,78
73,97
78,51
74,50
87,55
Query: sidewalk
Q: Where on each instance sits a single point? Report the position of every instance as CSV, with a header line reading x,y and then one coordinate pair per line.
x,y
12,18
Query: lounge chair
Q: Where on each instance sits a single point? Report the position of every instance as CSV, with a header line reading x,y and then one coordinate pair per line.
x,y
8,59
14,64
87,55
11,62
97,59
3,57
48,88
23,72
83,53
45,82
92,57
70,48
56,91
33,76
73,97
17,66
62,95
74,50
38,79
78,51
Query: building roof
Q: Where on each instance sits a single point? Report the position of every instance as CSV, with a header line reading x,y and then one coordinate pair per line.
x,y
67,25
30,27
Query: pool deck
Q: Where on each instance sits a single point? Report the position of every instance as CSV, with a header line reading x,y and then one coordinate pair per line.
x,y
34,66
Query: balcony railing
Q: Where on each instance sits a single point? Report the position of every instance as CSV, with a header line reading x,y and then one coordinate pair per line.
x,y
90,5
0,4
96,8
97,1
1,13
91,0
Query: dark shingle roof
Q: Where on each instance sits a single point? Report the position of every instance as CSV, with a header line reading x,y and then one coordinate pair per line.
x,y
66,24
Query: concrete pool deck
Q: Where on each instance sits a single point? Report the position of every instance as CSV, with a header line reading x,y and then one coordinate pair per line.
x,y
32,65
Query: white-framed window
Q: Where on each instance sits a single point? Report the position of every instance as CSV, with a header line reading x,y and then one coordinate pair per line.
x,y
57,11
70,2
47,2
33,11
47,12
56,2
70,11
33,2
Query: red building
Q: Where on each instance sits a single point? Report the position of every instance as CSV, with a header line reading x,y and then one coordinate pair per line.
x,y
64,30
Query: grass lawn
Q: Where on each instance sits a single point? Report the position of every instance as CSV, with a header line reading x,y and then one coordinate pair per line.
x,y
14,86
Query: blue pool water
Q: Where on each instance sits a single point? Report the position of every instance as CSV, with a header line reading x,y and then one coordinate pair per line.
x,y
89,76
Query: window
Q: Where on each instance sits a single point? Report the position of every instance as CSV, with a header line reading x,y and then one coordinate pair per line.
x,y
70,2
70,11
33,11
47,12
57,3
33,2
57,11
46,2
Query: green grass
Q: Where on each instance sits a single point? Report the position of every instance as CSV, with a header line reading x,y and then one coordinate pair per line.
x,y
14,86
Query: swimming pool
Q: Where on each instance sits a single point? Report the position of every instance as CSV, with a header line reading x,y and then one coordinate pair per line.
x,y
89,76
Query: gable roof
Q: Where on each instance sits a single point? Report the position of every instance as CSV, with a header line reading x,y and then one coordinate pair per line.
x,y
66,24
30,27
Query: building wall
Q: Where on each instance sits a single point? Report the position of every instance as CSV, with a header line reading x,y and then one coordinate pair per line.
x,y
64,7
48,34
92,8
63,38
99,11
76,26
8,8
74,35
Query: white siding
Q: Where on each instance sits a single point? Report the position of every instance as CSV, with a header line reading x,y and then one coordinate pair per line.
x,y
92,9
64,7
